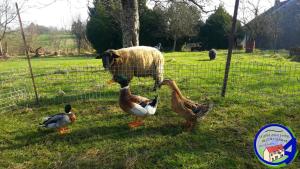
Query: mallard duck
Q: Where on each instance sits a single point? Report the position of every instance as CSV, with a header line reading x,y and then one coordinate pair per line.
x,y
60,121
138,106
190,110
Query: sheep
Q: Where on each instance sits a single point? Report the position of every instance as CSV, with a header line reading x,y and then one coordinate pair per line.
x,y
139,61
212,54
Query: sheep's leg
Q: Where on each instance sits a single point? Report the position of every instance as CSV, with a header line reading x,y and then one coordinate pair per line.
x,y
158,80
154,88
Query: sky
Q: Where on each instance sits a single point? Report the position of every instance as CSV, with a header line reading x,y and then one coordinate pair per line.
x,y
61,13
55,13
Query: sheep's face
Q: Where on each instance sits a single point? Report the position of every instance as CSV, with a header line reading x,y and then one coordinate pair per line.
x,y
108,59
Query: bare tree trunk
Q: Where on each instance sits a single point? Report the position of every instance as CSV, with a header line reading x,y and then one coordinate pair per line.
x,y
130,23
174,43
1,49
5,49
78,46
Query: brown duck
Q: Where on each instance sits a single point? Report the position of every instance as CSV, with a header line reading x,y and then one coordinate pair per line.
x,y
190,110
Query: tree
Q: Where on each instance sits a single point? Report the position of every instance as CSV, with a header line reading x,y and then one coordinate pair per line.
x,y
253,23
130,20
154,27
78,29
55,41
103,27
130,23
182,19
31,35
200,4
110,17
214,34
7,15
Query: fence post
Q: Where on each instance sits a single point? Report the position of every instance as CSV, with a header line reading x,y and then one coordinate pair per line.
x,y
230,48
27,55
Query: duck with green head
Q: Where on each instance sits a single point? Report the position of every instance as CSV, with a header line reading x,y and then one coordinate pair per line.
x,y
138,106
60,121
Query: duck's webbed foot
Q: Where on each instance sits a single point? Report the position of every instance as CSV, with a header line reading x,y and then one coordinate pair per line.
x,y
135,124
63,130
138,122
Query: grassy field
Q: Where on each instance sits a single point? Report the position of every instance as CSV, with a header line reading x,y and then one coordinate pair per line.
x,y
51,41
101,139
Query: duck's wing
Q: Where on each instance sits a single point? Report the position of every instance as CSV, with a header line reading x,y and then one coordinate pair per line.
x,y
54,118
139,99
138,110
152,106
190,104
203,109
186,111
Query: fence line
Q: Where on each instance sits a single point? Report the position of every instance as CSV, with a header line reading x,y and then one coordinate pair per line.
x,y
66,84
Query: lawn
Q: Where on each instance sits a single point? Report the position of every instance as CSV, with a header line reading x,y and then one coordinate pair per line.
x,y
101,139
51,42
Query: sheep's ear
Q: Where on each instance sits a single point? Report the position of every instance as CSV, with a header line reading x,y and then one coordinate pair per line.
x,y
113,54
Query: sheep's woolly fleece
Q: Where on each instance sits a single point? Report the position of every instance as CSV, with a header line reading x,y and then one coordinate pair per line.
x,y
138,61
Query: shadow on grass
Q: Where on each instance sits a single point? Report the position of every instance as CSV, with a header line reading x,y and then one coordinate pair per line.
x,y
119,131
208,147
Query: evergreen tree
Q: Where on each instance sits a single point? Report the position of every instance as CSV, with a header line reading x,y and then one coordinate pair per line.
x,y
103,30
214,34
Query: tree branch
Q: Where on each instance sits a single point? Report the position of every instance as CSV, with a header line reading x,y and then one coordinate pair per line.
x,y
201,7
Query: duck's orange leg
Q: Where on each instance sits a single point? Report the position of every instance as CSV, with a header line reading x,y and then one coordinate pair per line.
x,y
60,131
63,130
136,123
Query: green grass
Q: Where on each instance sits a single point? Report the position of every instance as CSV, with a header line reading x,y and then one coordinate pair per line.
x,y
51,42
67,40
101,139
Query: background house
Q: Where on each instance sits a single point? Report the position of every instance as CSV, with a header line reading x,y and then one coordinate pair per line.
x,y
278,27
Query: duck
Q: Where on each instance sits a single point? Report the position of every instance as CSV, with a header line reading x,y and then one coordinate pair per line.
x,y
186,108
60,121
138,106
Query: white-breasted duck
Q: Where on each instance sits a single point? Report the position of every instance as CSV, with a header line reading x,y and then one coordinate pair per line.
x,y
138,106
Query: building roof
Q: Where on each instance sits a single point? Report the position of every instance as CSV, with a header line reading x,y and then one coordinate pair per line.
x,y
281,20
274,148
277,7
